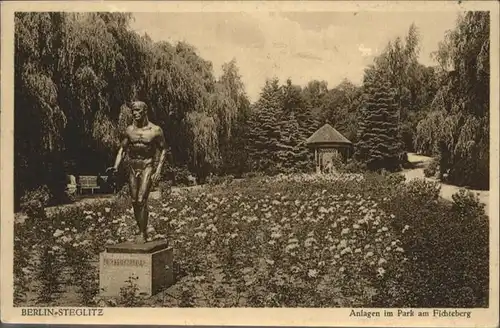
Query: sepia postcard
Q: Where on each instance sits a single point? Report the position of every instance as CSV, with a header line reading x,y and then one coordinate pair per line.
x,y
250,163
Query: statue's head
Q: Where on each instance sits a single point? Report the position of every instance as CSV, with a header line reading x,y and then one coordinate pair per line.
x,y
139,110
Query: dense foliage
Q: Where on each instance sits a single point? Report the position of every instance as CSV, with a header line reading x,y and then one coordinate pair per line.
x,y
457,129
414,84
280,123
291,240
75,74
379,144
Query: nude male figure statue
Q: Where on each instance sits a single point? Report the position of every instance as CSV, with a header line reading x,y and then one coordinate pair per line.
x,y
143,142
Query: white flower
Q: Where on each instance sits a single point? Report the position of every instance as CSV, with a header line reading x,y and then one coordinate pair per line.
x,y
276,235
312,273
58,233
343,243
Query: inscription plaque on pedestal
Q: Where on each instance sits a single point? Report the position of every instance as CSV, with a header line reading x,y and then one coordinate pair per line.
x,y
151,263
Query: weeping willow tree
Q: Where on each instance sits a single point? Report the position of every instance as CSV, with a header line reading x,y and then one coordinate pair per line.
x,y
75,74
193,108
458,129
234,108
39,120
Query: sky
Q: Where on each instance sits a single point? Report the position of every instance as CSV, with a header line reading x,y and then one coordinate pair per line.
x,y
302,46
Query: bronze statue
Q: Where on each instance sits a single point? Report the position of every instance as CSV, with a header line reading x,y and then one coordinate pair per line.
x,y
143,142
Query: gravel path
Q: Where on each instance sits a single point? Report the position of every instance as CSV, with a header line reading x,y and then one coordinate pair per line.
x,y
446,190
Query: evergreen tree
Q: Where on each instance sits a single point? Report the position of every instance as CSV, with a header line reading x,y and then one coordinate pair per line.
x,y
304,123
379,144
292,154
264,133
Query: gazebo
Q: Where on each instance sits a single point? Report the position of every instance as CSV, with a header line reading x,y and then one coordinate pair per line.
x,y
327,143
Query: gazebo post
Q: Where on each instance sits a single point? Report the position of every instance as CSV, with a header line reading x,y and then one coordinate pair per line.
x,y
316,159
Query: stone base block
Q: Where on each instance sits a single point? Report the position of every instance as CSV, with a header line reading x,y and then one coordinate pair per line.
x,y
151,263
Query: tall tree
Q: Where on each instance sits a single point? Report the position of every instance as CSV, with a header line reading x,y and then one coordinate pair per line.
x,y
340,108
414,84
39,120
75,74
292,154
264,130
460,126
234,149
379,144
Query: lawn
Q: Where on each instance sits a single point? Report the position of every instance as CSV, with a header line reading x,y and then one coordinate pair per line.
x,y
294,241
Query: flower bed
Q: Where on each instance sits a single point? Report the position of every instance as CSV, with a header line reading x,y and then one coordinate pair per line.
x,y
295,241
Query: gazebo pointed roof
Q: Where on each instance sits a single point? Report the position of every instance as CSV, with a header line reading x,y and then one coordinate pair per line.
x,y
327,135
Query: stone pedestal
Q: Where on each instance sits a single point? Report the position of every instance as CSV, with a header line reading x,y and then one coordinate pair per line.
x,y
151,263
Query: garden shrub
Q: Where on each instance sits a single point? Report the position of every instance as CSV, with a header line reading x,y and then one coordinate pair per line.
x,y
353,166
272,170
253,174
447,247
178,175
469,246
165,187
432,169
220,180
36,199
124,192
129,294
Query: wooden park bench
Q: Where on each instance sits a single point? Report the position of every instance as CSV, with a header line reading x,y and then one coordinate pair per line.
x,y
88,182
